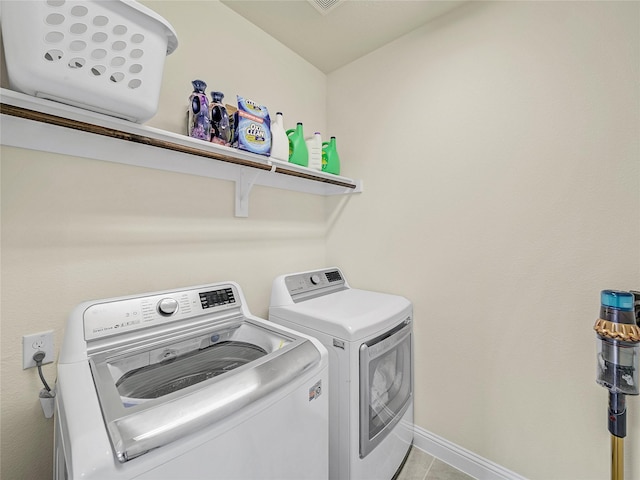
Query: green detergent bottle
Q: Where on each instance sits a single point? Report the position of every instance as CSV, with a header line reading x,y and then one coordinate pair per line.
x,y
330,158
298,152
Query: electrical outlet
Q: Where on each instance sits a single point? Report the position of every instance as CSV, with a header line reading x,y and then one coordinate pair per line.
x,y
31,344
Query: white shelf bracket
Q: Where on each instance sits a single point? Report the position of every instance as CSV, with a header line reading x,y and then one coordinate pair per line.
x,y
246,179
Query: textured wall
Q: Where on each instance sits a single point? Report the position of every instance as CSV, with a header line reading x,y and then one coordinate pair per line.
x,y
75,229
499,152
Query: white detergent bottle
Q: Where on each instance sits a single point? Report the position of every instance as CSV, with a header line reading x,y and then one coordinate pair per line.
x,y
314,146
279,139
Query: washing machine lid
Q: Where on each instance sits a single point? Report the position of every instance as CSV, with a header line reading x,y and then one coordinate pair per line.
x,y
154,394
349,314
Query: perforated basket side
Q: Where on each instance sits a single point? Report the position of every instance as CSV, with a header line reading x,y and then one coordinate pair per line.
x,y
103,56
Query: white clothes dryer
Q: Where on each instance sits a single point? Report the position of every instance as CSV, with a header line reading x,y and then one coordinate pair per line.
x,y
187,384
369,336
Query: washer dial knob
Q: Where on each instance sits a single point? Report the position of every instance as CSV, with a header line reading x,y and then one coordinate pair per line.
x,y
167,306
315,279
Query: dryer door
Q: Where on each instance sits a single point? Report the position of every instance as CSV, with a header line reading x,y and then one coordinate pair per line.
x,y
386,384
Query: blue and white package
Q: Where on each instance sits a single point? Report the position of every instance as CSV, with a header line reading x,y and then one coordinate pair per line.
x,y
252,127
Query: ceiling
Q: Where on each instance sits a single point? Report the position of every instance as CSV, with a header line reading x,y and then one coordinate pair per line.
x,y
331,37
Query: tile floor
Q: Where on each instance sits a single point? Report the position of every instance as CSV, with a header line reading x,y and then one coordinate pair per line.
x,y
422,466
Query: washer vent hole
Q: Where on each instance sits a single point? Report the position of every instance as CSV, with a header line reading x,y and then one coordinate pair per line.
x,y
135,83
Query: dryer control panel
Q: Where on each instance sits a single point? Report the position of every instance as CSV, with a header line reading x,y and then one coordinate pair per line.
x,y
132,313
307,285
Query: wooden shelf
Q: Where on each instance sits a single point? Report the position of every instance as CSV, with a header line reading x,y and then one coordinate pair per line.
x,y
39,124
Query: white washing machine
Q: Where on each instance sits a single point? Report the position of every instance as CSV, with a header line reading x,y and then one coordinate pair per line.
x,y
369,337
187,384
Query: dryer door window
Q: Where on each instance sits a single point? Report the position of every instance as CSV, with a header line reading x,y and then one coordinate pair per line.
x,y
385,384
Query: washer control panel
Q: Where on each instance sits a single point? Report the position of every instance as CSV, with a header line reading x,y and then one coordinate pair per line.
x,y
303,286
127,314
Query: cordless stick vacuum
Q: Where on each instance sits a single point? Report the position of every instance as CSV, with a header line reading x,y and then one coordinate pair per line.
x,y
618,351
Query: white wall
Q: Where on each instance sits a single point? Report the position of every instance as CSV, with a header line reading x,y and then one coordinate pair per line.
x,y
75,229
500,156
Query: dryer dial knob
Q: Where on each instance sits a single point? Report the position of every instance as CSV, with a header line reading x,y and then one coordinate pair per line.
x,y
315,279
167,306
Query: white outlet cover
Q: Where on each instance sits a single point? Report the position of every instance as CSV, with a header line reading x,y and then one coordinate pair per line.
x,y
34,342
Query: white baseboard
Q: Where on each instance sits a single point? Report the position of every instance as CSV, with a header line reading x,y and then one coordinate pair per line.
x,y
460,458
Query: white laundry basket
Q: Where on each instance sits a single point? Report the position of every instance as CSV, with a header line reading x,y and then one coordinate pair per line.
x,y
106,56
